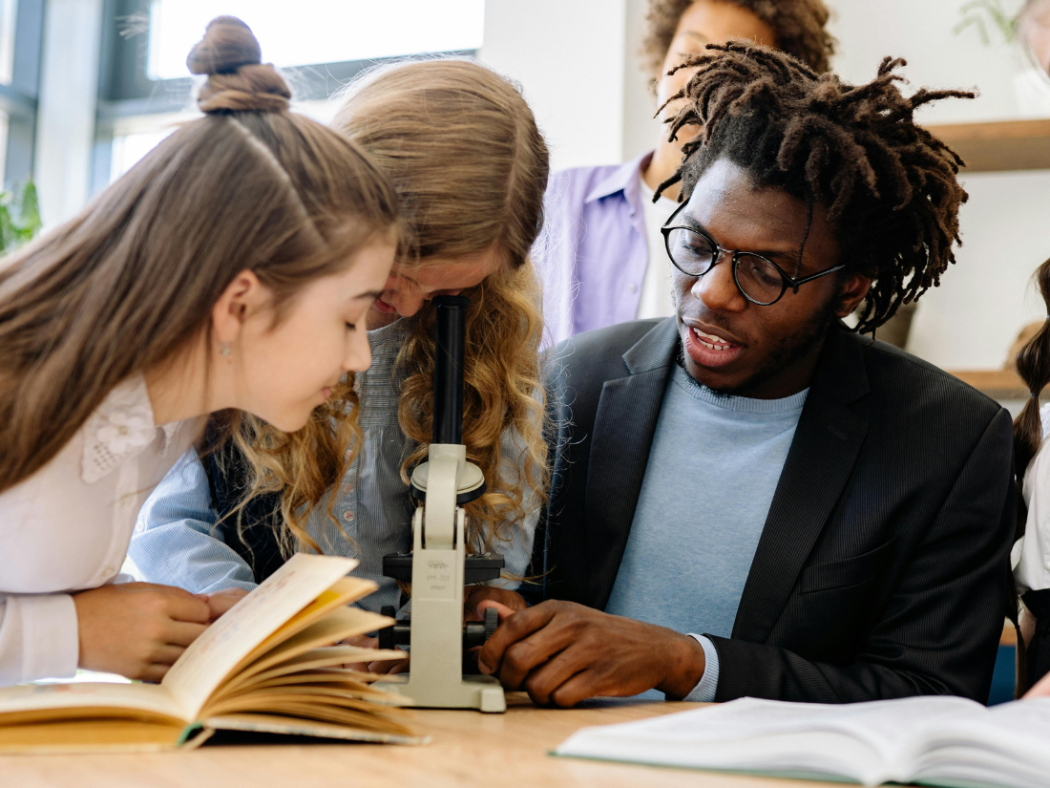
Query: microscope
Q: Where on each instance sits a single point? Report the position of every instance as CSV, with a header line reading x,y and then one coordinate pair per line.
x,y
439,566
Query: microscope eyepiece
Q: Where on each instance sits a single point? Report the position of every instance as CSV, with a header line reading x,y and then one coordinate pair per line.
x,y
448,368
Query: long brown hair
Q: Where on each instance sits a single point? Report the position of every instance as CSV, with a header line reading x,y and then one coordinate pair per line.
x,y
1033,363
470,167
131,281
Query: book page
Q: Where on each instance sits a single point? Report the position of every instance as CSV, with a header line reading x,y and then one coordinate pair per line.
x,y
30,702
861,741
1007,745
229,640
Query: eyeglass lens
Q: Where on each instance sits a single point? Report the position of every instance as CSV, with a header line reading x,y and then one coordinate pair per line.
x,y
694,254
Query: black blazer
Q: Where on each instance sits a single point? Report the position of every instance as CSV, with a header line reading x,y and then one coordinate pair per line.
x,y
882,566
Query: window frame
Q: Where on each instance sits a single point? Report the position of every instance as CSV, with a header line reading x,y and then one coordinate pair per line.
x,y
19,100
126,94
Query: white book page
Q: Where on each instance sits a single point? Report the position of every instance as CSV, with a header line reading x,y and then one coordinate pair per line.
x,y
1010,740
868,742
83,695
226,642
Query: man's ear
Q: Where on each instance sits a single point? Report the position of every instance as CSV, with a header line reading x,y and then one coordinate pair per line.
x,y
854,287
242,297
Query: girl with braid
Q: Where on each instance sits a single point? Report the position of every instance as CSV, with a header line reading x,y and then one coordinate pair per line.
x,y
601,253
231,270
470,167
1031,554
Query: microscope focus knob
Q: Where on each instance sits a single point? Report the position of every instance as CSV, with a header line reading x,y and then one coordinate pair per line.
x,y
491,622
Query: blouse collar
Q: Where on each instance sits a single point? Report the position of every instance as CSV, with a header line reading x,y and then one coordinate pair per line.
x,y
121,428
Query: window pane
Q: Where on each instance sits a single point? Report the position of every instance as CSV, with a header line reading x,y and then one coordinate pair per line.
x,y
3,144
320,31
8,12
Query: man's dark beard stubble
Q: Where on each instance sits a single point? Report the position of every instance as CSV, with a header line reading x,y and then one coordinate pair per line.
x,y
787,351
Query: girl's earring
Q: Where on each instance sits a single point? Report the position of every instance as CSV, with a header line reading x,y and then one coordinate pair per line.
x,y
224,348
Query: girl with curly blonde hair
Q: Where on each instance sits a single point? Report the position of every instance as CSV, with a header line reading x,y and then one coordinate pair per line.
x,y
470,167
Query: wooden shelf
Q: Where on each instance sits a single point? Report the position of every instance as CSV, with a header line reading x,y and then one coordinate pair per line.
x,y
999,384
998,147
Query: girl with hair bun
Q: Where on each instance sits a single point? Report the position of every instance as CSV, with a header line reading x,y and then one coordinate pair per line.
x,y
1031,554
462,148
230,271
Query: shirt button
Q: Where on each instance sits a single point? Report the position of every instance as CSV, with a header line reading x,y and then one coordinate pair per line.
x,y
348,515
110,571
347,488
632,288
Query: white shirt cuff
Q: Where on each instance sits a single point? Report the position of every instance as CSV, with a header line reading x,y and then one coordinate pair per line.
x,y
704,691
50,635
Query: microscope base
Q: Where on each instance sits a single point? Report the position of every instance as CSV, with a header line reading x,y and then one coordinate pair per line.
x,y
482,693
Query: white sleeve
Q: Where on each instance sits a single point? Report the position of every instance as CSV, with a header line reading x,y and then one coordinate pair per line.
x,y
39,638
1031,554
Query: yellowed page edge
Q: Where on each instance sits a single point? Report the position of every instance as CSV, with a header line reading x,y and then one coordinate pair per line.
x,y
209,660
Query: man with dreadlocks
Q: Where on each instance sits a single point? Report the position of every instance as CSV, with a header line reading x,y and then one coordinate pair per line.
x,y
833,513
601,253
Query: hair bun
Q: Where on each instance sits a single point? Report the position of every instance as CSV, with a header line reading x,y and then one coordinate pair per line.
x,y
238,80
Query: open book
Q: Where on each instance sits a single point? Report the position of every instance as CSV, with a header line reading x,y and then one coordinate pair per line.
x,y
931,740
267,665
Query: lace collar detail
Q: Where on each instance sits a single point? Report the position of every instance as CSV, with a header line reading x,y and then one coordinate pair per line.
x,y
120,429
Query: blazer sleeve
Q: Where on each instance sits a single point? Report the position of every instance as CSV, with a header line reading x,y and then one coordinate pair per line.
x,y
939,630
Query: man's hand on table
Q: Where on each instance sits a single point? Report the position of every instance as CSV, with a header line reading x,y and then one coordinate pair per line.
x,y
562,653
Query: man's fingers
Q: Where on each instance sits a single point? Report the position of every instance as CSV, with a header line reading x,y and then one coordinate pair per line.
x,y
518,626
181,633
503,611
576,690
551,675
521,658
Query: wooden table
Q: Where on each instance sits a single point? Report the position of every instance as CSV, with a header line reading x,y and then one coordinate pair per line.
x,y
468,749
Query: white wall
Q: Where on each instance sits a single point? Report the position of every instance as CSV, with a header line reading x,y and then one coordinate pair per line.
x,y
66,114
569,57
984,301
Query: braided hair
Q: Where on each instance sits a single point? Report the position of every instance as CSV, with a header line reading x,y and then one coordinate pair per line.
x,y
889,186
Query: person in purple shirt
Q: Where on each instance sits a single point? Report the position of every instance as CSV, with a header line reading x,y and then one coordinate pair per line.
x,y
601,254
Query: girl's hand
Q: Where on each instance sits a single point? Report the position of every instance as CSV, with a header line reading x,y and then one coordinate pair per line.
x,y
137,629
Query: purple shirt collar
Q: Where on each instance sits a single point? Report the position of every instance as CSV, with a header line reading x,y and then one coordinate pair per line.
x,y
625,178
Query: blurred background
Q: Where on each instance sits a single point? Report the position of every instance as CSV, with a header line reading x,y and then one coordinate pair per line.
x,y
88,86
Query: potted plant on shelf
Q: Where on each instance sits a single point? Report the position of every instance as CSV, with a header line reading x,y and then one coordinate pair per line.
x,y
1024,25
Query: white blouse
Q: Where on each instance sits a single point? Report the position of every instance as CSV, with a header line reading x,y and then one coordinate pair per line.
x,y
67,527
1031,554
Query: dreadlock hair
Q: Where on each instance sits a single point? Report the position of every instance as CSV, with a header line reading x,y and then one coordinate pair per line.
x,y
1033,363
799,26
890,188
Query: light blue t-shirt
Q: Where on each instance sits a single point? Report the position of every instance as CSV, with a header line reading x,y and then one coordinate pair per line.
x,y
713,468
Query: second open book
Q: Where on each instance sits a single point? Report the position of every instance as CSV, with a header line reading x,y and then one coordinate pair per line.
x,y
267,665
941,741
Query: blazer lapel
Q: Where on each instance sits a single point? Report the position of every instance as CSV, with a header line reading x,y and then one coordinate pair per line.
x,y
624,425
824,450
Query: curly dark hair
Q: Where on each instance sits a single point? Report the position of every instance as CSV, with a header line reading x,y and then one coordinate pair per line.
x,y
889,186
799,25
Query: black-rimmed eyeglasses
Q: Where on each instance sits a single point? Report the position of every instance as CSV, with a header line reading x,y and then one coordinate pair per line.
x,y
759,280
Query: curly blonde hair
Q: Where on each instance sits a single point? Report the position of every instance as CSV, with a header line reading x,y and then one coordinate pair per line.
x,y
462,148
